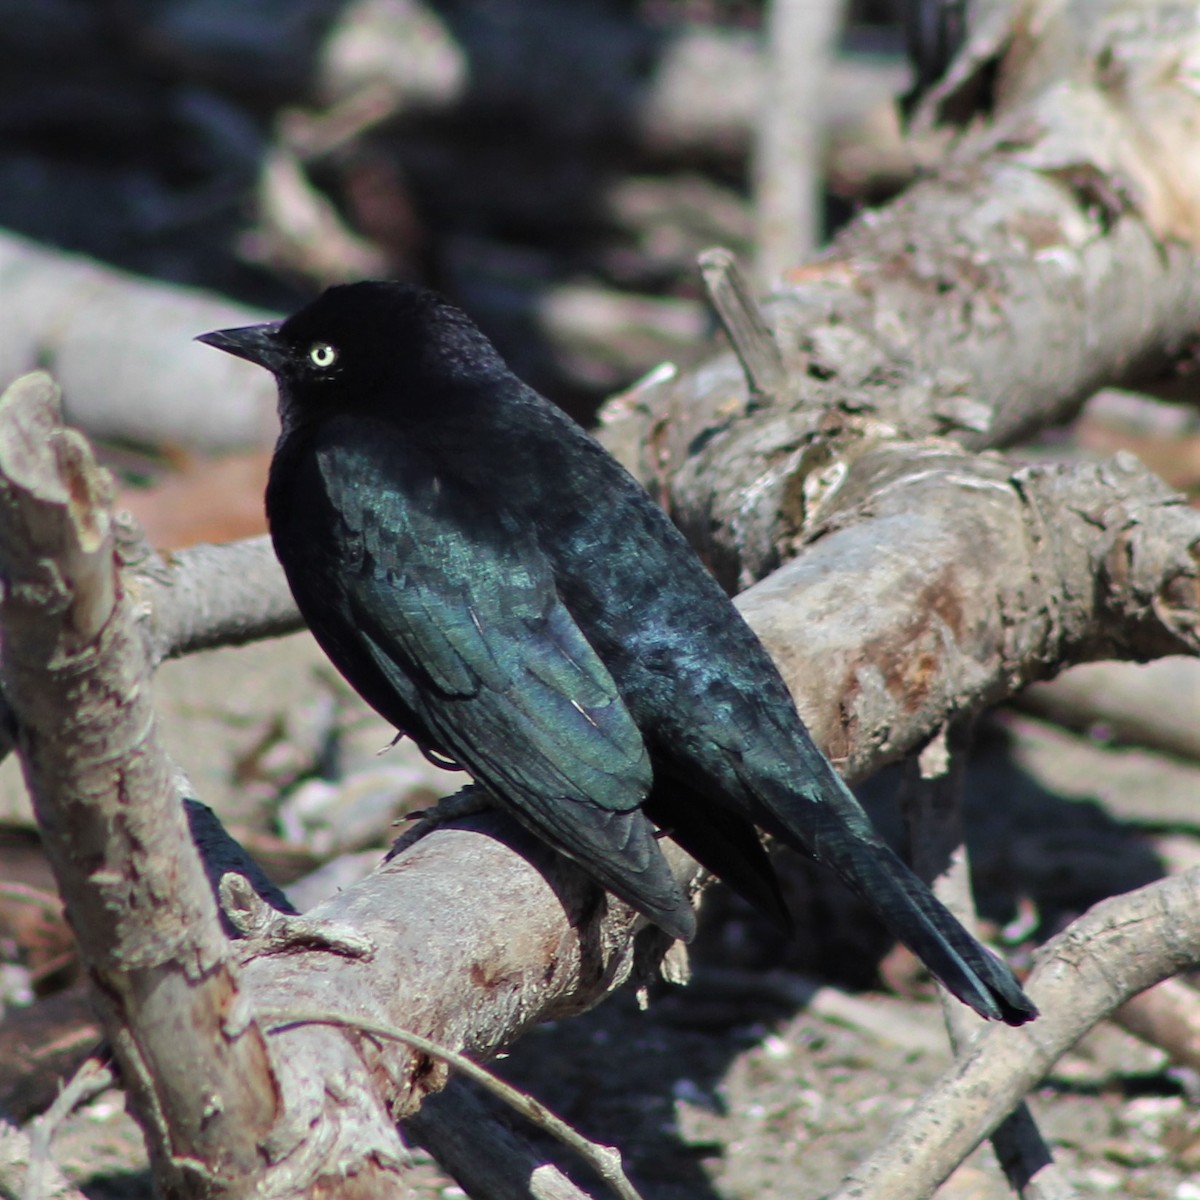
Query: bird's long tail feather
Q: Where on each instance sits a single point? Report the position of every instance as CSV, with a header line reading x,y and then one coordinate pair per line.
x,y
917,918
836,831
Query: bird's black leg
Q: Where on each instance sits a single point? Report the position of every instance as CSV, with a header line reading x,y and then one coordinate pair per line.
x,y
466,802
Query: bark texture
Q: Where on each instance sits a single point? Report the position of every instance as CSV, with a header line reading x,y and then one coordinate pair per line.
x,y
220,1111
1054,250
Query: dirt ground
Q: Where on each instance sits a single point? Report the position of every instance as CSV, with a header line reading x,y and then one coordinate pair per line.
x,y
729,1088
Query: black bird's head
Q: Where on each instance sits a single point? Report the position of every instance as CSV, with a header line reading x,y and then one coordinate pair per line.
x,y
386,347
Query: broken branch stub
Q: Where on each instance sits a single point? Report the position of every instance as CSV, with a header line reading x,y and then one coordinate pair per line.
x,y
75,673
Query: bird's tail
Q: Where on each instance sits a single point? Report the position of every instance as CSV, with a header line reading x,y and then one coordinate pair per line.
x,y
834,829
914,915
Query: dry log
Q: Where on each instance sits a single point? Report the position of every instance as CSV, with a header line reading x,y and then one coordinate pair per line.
x,y
1052,252
943,581
1155,705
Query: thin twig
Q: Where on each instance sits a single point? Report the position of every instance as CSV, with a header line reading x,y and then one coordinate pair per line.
x,y
932,803
743,322
93,1077
23,893
14,1168
604,1160
461,1130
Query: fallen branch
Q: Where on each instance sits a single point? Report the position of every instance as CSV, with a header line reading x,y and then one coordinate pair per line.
x,y
1108,955
1054,251
121,349
1155,705
942,582
1167,1016
789,190
15,1155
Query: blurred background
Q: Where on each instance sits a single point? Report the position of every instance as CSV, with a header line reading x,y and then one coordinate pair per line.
x,y
553,167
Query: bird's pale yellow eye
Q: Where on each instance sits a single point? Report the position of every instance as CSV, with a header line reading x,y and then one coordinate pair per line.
x,y
322,355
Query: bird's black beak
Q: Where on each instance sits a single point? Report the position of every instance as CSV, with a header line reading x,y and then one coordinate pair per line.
x,y
256,343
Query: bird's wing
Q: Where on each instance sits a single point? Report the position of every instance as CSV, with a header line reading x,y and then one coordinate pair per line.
x,y
443,593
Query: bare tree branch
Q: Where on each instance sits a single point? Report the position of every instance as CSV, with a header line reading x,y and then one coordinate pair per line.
x,y
788,192
941,582
73,671
16,1154
1051,253
215,1109
1114,951
604,1160
208,596
1155,705
121,349
1167,1016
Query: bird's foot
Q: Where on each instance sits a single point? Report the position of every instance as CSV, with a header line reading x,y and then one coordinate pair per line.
x,y
466,802
266,930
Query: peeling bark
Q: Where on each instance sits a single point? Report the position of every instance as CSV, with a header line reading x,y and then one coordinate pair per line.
x,y
217,1106
1053,251
939,583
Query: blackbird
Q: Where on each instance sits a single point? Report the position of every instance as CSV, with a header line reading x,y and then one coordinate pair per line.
x,y
496,586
